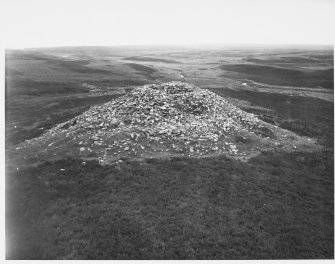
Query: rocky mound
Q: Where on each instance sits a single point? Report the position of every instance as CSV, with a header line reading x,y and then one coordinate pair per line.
x,y
163,120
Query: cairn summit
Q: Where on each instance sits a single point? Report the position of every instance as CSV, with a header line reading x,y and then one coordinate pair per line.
x,y
163,120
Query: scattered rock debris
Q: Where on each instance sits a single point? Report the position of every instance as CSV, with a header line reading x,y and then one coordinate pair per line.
x,y
168,119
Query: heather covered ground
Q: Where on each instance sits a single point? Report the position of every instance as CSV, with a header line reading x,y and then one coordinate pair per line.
x,y
275,205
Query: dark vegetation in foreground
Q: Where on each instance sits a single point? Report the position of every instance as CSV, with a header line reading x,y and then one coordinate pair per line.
x,y
278,205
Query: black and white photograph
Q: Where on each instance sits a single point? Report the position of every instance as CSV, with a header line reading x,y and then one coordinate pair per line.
x,y
168,130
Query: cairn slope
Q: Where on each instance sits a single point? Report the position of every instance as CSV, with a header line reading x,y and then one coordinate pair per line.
x,y
164,120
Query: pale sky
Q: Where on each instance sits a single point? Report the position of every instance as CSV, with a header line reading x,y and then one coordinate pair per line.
x,y
43,23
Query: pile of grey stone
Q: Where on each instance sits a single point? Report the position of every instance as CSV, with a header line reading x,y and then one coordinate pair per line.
x,y
171,118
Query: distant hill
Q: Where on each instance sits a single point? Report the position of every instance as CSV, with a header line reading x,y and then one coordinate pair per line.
x,y
150,59
284,76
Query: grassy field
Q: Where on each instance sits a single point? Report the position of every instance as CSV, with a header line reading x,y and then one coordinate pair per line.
x,y
284,76
276,206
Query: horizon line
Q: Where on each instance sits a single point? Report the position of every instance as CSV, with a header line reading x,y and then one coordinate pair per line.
x,y
328,45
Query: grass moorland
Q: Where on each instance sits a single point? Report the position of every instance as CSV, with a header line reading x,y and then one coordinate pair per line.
x,y
276,206
284,76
